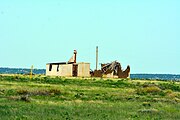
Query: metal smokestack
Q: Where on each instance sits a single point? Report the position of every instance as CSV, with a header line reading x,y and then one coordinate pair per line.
x,y
96,57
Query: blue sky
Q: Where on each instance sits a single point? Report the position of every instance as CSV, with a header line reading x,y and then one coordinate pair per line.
x,y
144,34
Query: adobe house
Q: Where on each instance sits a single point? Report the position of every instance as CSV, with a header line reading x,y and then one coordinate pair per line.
x,y
68,69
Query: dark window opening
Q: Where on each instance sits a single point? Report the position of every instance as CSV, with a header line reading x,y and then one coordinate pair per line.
x,y
57,68
50,67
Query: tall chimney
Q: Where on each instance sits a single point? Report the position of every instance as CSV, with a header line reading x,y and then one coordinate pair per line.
x,y
75,52
96,57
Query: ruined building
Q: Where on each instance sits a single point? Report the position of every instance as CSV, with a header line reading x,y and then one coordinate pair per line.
x,y
112,70
82,69
68,69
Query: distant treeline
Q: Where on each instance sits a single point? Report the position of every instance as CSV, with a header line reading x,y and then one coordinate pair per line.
x,y
156,76
21,71
132,76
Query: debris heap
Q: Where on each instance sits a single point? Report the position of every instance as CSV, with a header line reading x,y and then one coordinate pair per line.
x,y
112,69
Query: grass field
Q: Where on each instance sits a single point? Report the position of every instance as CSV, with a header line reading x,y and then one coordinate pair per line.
x,y
87,98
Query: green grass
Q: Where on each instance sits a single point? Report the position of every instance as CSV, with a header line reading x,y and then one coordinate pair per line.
x,y
88,98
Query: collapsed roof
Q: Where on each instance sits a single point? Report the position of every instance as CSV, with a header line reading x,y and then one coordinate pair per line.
x,y
113,67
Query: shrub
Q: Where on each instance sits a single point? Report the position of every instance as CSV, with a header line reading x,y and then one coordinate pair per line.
x,y
152,89
138,84
168,91
22,92
40,93
170,86
2,92
11,92
148,84
25,98
150,111
146,104
55,91
149,90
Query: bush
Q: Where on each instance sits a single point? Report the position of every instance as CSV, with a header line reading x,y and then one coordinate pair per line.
x,y
11,92
25,98
170,86
146,104
150,111
151,90
55,91
22,92
148,84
